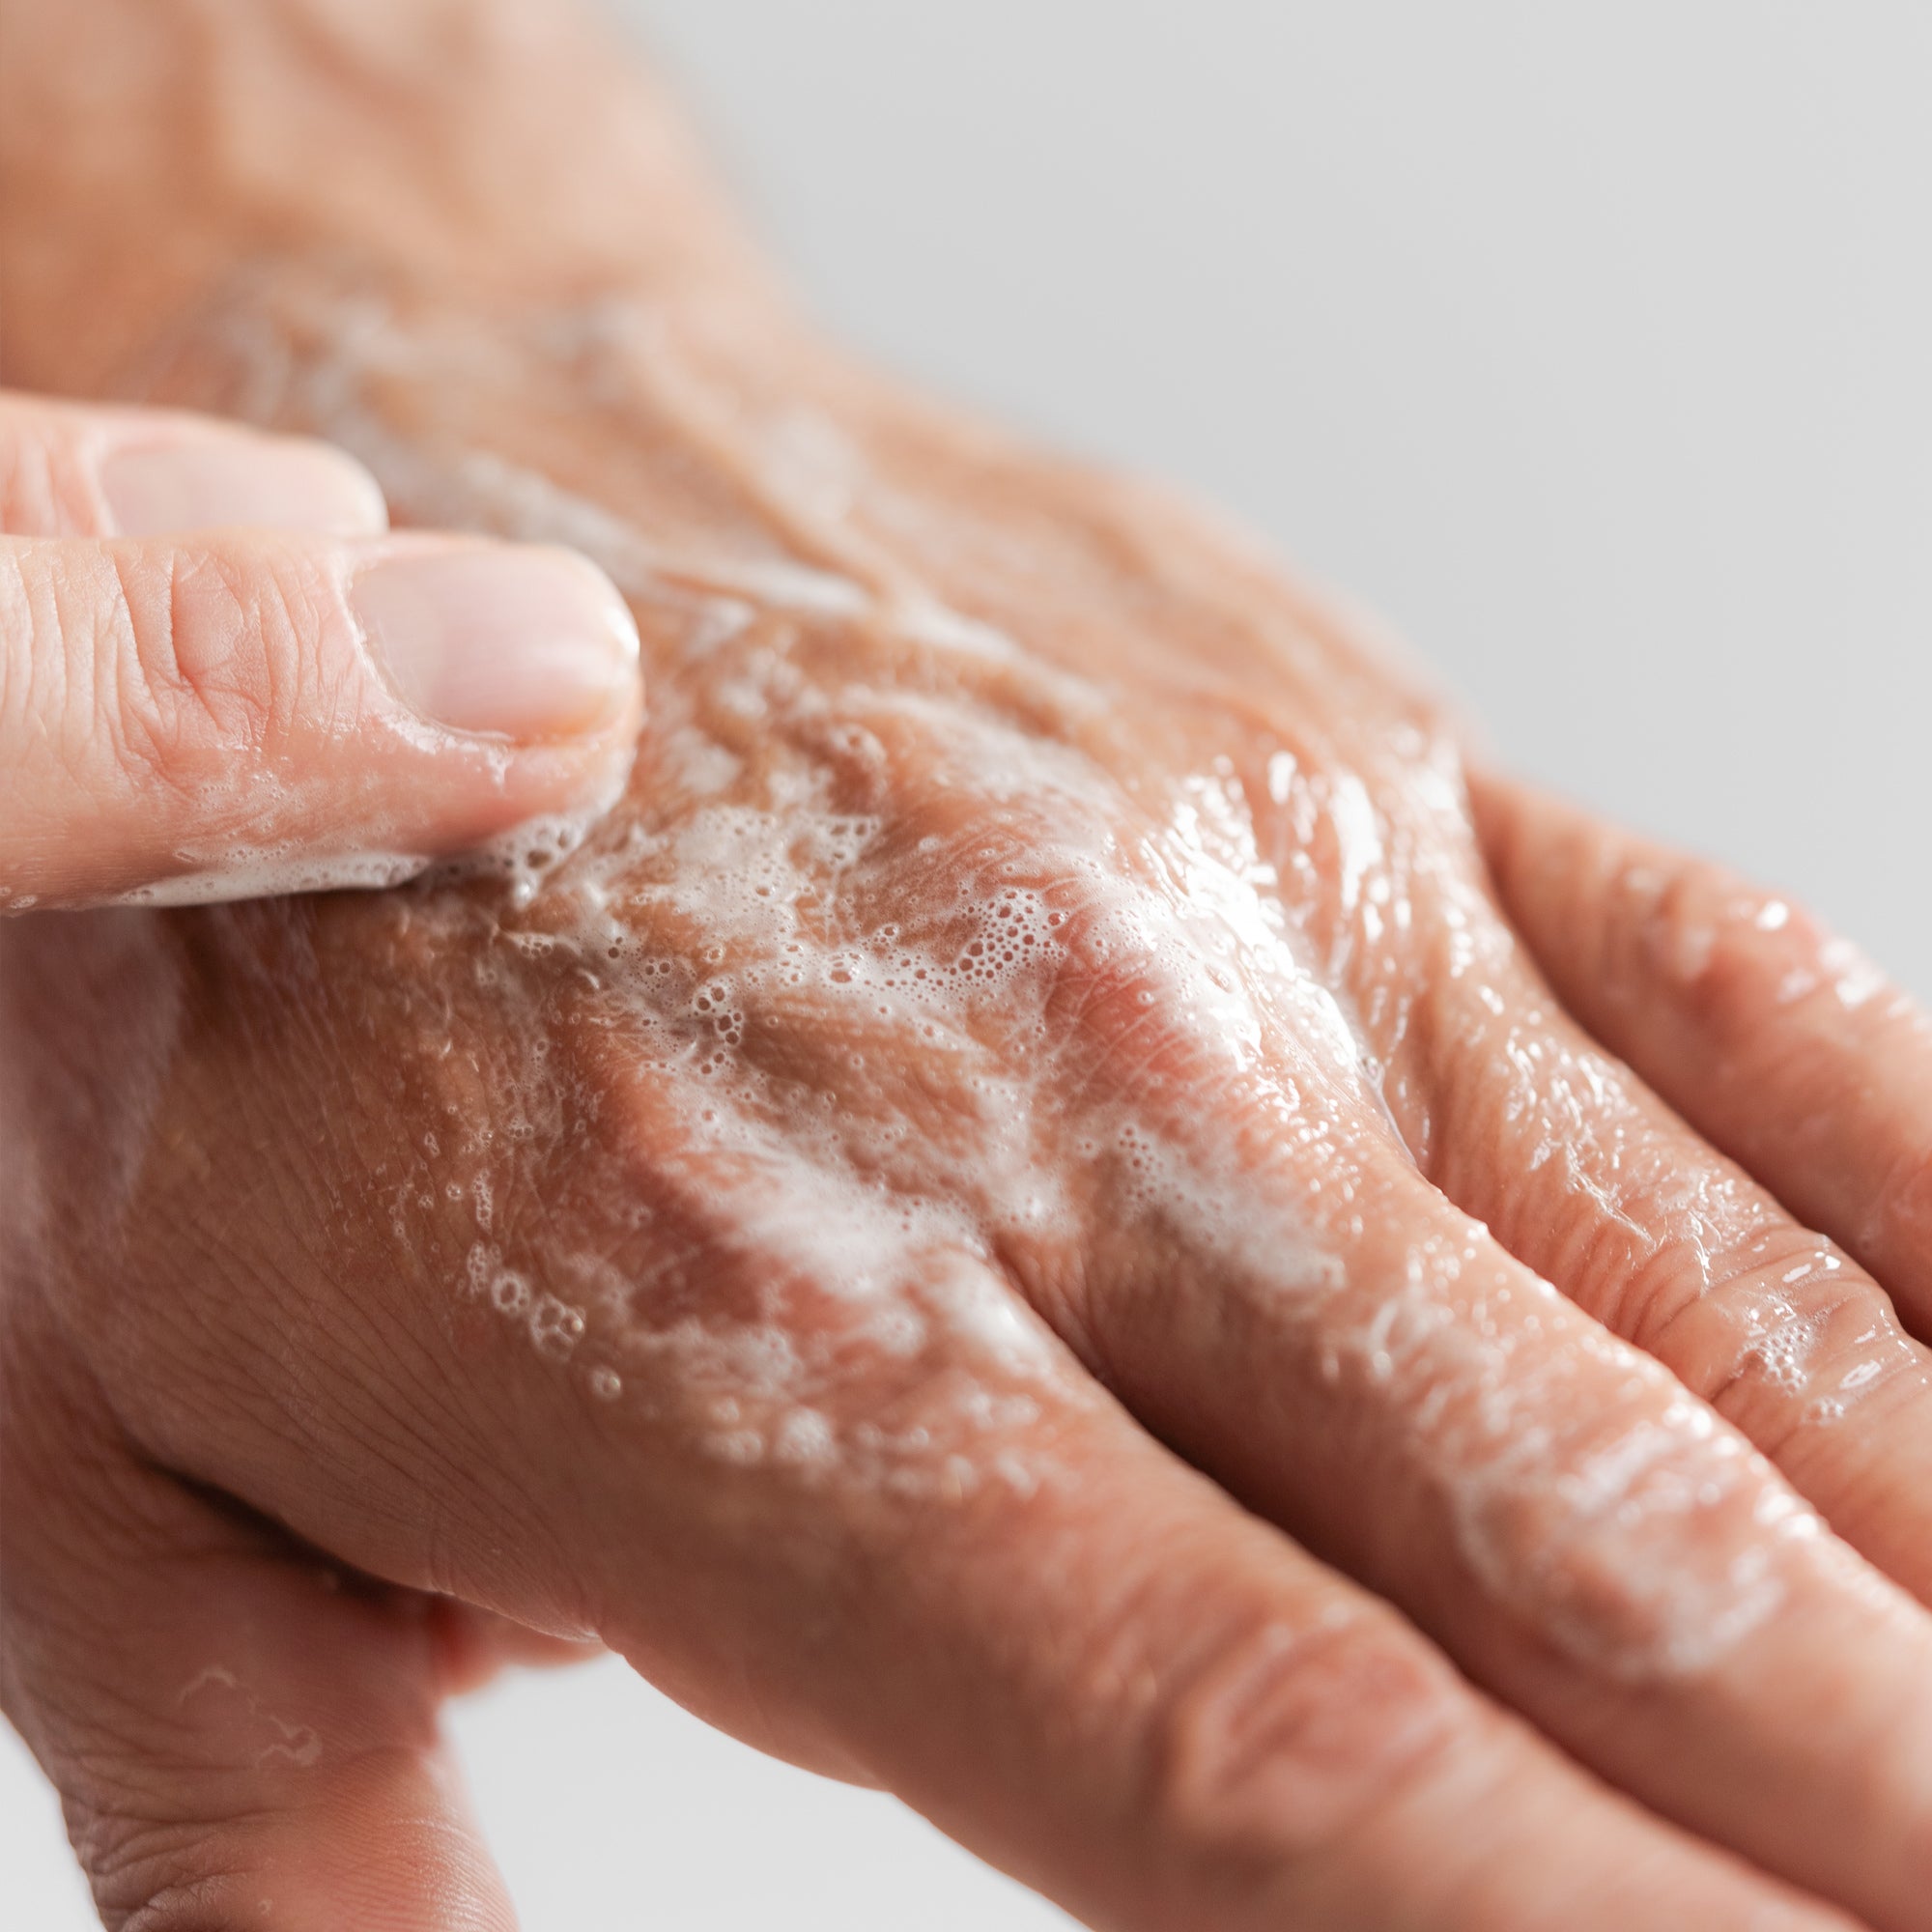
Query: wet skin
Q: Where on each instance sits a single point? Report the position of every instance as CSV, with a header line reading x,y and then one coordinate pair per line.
x,y
1031,1217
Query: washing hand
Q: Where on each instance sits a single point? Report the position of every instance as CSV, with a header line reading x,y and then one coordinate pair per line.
x,y
1031,1218
220,675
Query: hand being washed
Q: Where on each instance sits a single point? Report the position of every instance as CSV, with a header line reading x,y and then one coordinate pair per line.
x,y
951,1228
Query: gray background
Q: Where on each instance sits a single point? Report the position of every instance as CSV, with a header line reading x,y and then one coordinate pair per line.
x,y
1587,343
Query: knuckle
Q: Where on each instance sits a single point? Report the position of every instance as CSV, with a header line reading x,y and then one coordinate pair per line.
x,y
160,1877
1122,1008
208,1872
128,671
1290,1740
1677,905
1787,1334
155,1856
195,661
1641,1544
1730,951
1600,1251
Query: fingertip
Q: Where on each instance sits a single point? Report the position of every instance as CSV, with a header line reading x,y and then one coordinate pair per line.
x,y
196,475
529,643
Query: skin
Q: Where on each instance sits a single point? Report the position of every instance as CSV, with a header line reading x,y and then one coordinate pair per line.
x,y
992,1228
195,700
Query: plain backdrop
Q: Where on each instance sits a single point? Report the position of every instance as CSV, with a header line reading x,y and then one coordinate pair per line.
x,y
1589,344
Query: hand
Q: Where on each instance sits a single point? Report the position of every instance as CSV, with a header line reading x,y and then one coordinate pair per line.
x,y
290,698
951,1229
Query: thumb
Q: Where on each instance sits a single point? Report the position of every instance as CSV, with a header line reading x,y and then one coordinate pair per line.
x,y
242,1737
200,717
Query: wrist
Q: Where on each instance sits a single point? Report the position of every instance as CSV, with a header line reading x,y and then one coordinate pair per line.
x,y
493,151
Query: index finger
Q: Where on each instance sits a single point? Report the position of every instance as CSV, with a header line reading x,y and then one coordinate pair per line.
x,y
76,469
1131,1694
1111,1682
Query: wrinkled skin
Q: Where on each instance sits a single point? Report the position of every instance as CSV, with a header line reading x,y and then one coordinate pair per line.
x,y
950,1228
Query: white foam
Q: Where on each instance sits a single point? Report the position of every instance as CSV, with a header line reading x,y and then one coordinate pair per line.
x,y
253,872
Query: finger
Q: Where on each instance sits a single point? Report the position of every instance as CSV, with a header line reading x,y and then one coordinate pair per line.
x,y
1589,1179
987,1591
70,470
238,1739
256,712
1083,1662
1775,1040
1369,1368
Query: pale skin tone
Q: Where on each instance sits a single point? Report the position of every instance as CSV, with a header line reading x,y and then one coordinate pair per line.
x,y
989,1229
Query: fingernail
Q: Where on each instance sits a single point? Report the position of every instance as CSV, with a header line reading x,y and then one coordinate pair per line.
x,y
203,482
519,642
